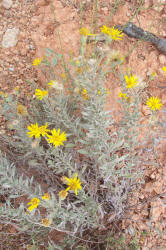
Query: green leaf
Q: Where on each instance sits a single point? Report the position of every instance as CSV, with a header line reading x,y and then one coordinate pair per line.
x,y
82,151
49,52
58,56
54,62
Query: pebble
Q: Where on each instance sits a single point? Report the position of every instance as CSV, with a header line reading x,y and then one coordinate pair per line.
x,y
11,69
10,38
7,4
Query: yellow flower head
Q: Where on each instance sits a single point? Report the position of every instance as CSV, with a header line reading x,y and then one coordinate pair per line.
x,y
99,92
115,34
131,81
63,194
21,110
34,130
50,84
16,89
40,93
85,95
46,222
46,196
73,184
106,30
37,61
56,139
44,130
164,69
64,76
154,74
123,95
33,204
85,32
154,103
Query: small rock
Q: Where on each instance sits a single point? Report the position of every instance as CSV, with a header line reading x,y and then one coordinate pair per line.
x,y
11,69
10,38
152,176
7,4
141,196
31,46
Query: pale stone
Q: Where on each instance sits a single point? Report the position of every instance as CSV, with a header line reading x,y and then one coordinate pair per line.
x,y
7,4
10,38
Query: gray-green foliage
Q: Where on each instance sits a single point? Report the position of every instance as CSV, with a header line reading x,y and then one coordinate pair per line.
x,y
99,149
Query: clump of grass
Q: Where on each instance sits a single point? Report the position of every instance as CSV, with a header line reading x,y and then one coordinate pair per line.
x,y
87,159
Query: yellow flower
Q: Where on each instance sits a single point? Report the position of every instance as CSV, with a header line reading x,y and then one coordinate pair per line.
x,y
46,222
154,74
115,34
73,184
85,32
51,83
37,61
40,93
123,95
154,103
85,95
46,196
44,130
56,139
164,69
106,30
37,131
77,62
33,204
99,92
16,89
21,110
34,131
63,194
131,81
64,76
